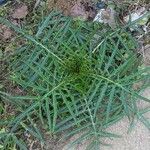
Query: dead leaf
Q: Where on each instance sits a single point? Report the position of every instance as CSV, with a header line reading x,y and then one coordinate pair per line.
x,y
20,12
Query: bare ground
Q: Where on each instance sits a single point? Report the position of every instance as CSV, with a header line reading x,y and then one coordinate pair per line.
x,y
138,139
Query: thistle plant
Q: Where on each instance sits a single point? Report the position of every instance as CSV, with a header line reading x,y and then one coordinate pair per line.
x,y
78,77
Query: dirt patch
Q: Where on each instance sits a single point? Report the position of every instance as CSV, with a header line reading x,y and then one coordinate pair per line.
x,y
62,5
20,12
5,32
68,6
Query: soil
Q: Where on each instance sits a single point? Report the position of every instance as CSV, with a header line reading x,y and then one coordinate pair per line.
x,y
62,5
66,5
137,139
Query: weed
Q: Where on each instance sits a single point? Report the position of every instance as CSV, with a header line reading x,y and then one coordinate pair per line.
x,y
73,83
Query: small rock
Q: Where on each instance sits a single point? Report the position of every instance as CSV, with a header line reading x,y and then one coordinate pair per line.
x,y
20,12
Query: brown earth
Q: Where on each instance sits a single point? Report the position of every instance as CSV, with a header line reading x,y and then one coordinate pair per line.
x,y
64,5
73,7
